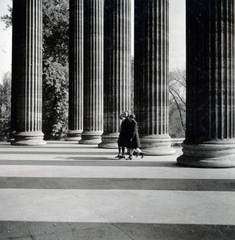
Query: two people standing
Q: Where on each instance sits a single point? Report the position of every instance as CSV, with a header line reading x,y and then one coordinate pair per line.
x,y
129,137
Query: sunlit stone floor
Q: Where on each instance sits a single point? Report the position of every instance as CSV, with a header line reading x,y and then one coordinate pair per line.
x,y
64,190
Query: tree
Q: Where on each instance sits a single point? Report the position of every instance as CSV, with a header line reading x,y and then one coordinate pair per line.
x,y
55,68
55,100
7,19
56,31
5,105
177,113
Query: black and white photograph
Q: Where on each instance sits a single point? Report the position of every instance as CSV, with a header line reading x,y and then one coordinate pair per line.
x,y
117,119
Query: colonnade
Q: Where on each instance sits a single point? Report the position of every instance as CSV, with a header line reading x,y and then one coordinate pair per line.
x,y
100,76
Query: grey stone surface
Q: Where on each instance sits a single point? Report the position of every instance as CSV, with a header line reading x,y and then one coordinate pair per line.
x,y
76,61
151,75
117,68
210,108
93,71
64,190
113,231
26,116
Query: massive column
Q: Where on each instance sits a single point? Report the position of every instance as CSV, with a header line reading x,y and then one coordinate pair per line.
x,y
27,72
93,72
117,68
151,75
75,70
210,121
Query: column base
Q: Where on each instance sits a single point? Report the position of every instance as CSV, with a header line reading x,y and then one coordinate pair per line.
x,y
214,154
109,140
91,137
74,135
28,138
157,145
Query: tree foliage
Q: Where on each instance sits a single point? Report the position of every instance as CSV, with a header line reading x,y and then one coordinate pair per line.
x,y
177,113
55,68
55,99
7,19
5,105
56,30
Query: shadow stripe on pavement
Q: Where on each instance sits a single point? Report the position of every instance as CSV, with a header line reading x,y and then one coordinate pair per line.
x,y
107,231
109,163
118,183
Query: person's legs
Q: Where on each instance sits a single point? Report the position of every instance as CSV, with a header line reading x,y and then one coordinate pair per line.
x,y
131,151
123,151
139,152
119,152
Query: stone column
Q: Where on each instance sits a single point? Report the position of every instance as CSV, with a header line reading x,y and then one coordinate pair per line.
x,y
27,72
117,68
93,72
75,70
210,109
151,75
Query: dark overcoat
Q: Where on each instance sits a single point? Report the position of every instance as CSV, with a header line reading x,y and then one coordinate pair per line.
x,y
123,136
133,134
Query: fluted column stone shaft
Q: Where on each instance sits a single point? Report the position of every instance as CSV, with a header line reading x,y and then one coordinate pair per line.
x,y
93,72
75,70
210,108
151,75
27,72
117,68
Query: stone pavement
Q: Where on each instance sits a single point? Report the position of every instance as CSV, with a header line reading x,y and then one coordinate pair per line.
x,y
68,191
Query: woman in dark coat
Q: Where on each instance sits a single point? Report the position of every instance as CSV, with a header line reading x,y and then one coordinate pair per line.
x,y
123,137
133,138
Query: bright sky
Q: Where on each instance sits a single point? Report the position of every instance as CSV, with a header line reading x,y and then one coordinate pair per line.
x,y
177,34
5,41
176,37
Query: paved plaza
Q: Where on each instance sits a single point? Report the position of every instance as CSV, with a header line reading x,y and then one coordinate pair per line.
x,y
63,190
